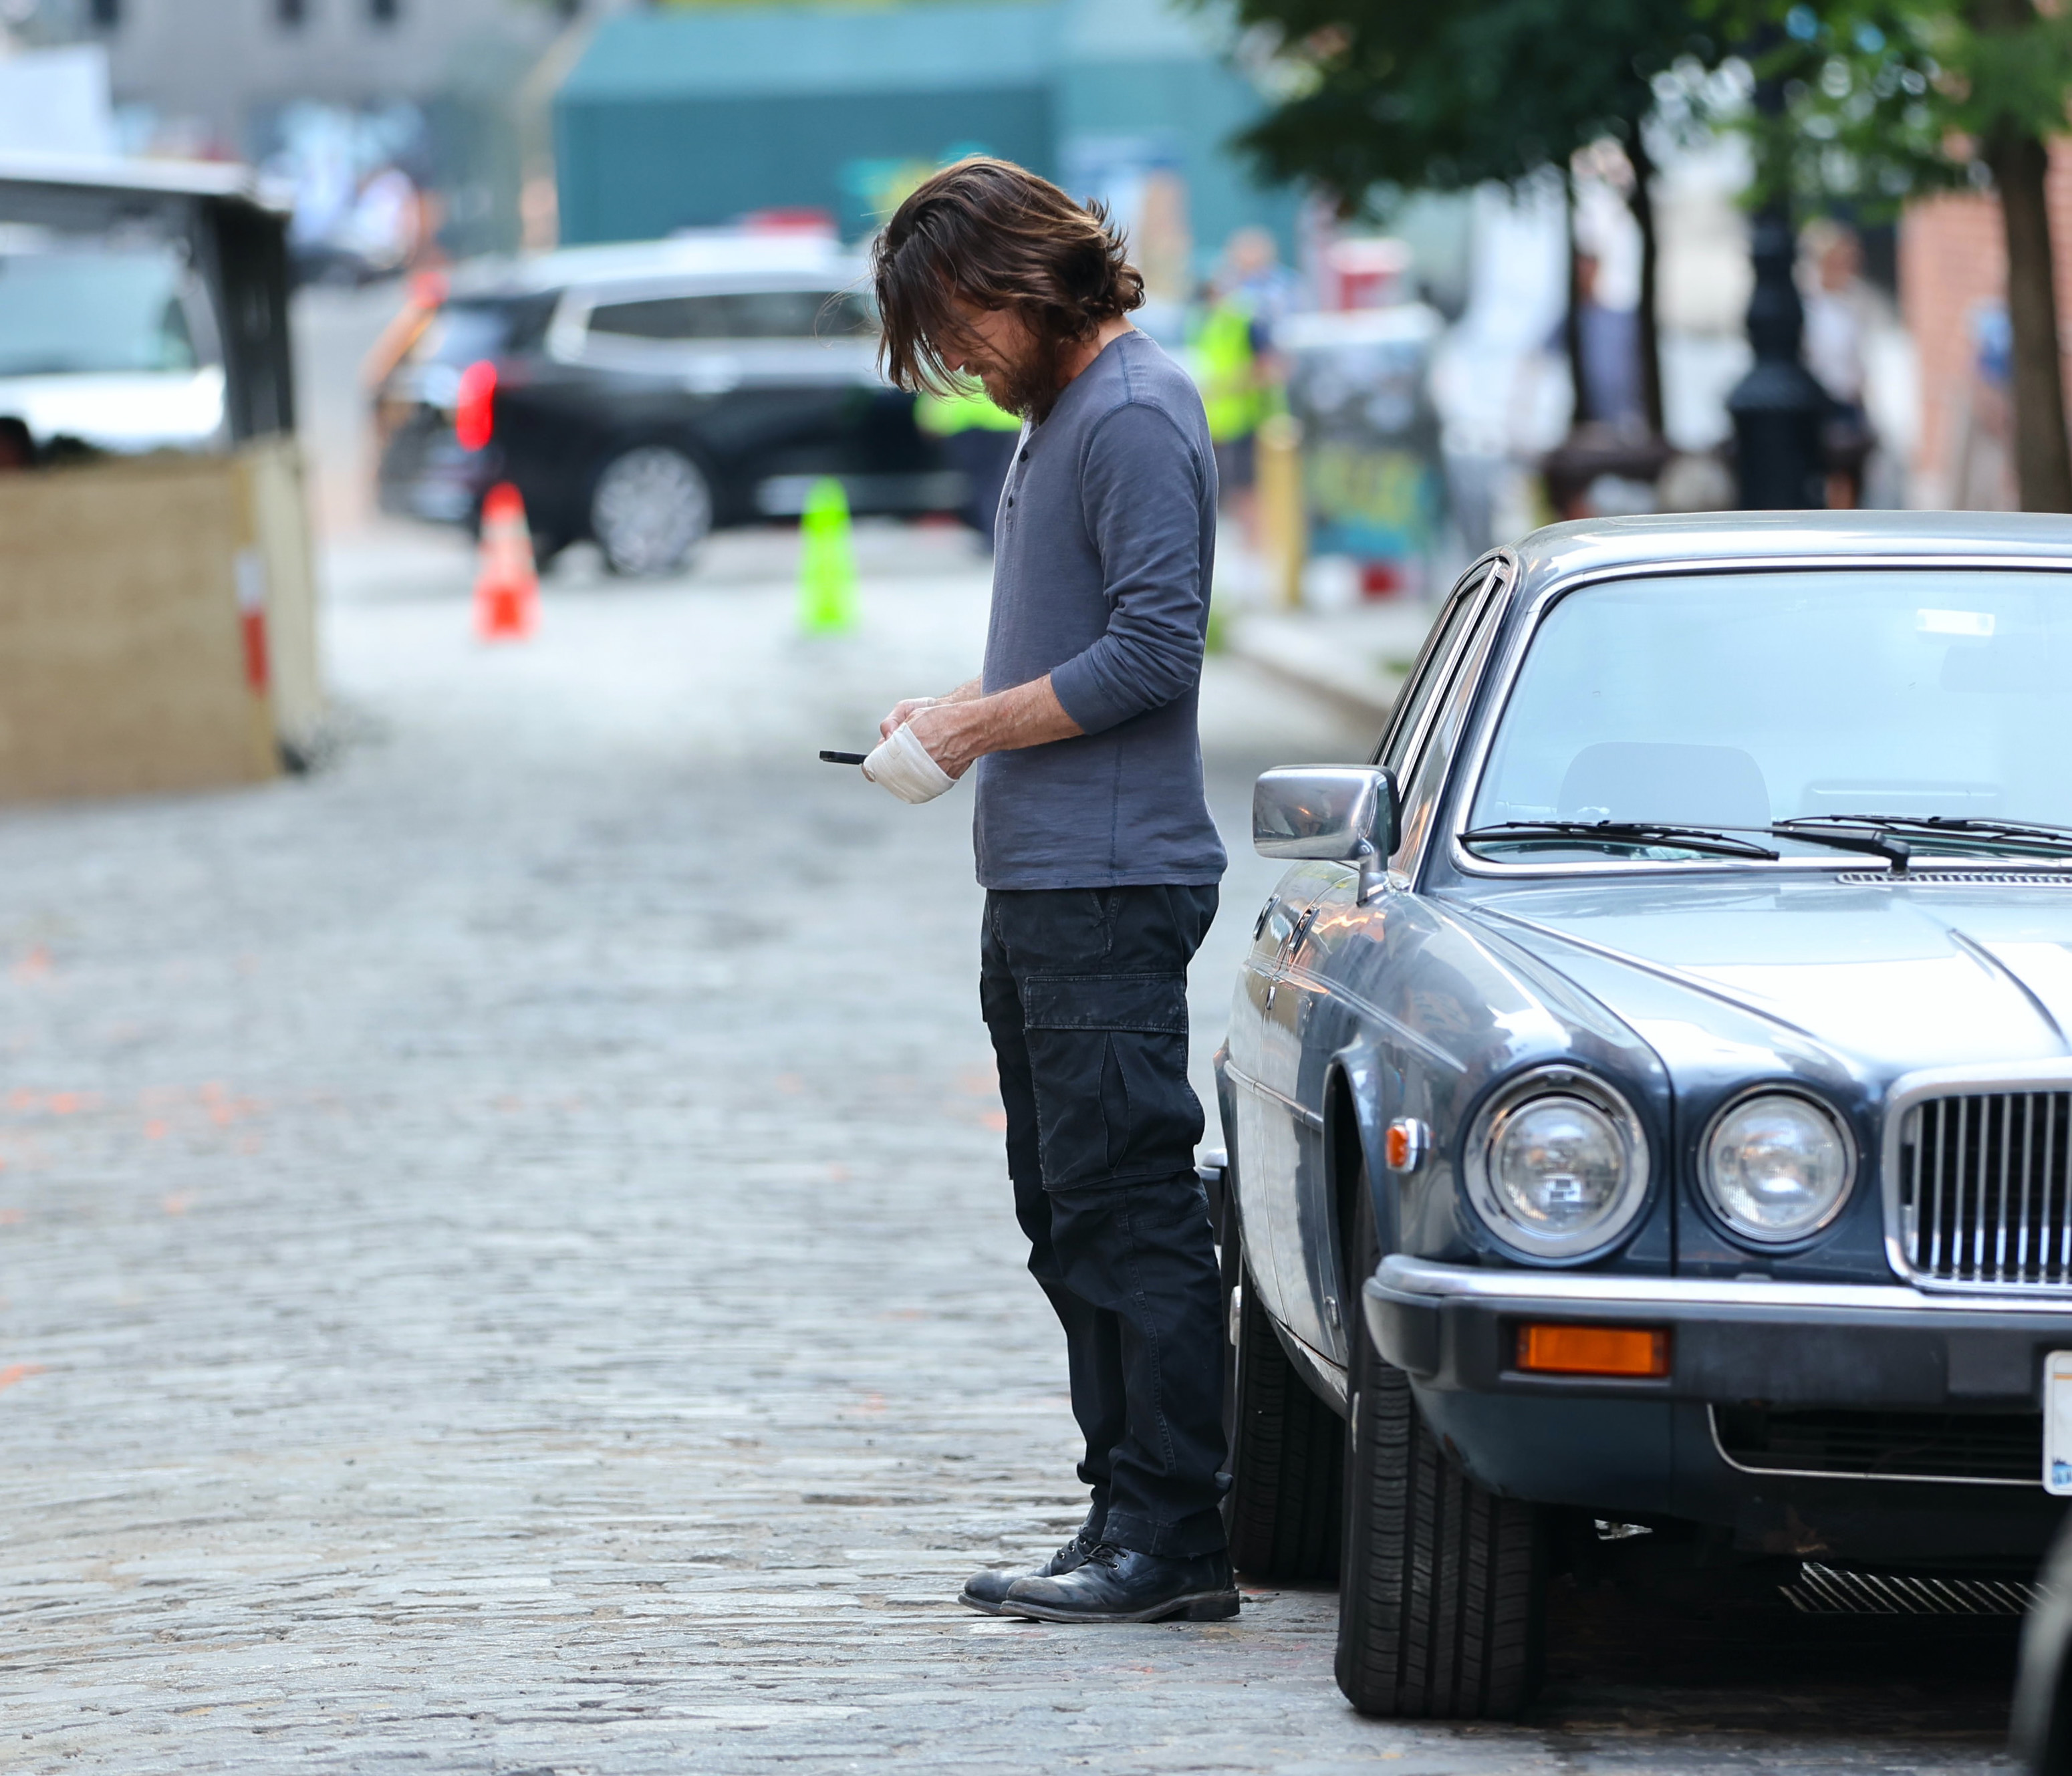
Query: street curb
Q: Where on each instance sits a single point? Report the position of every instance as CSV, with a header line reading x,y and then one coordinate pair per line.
x,y
1361,705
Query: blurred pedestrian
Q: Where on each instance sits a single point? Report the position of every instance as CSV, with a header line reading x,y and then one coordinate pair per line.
x,y
1840,309
1228,345
1094,846
979,439
1608,341
1252,270
1982,475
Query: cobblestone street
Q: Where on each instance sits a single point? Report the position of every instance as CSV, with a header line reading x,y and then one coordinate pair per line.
x,y
506,1262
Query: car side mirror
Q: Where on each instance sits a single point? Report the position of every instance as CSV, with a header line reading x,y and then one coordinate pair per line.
x,y
1337,813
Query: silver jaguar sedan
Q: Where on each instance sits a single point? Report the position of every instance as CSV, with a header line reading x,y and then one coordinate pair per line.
x,y
1649,1092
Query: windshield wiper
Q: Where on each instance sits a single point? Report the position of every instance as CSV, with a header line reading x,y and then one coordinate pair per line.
x,y
2024,836
1624,834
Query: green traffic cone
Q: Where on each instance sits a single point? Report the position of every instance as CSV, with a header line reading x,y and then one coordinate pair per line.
x,y
827,564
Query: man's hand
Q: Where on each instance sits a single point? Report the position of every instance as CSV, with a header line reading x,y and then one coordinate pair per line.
x,y
958,732
904,711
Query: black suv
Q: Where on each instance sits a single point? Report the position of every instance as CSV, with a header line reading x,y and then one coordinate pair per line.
x,y
641,396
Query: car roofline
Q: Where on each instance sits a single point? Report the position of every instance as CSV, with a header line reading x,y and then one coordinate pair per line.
x,y
770,260
1562,555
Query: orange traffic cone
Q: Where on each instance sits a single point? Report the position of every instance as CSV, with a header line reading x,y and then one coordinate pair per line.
x,y
507,584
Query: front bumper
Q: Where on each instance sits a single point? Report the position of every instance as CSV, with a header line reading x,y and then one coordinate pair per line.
x,y
1454,1327
1653,1448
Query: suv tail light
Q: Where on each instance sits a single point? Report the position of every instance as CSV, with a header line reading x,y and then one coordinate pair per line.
x,y
475,406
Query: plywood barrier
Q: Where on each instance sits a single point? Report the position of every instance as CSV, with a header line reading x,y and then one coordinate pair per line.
x,y
127,663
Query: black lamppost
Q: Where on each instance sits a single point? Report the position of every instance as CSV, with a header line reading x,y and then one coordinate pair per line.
x,y
1778,408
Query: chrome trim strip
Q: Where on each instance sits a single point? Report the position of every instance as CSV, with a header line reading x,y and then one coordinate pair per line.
x,y
1262,1089
1498,571
1465,669
1464,861
1312,982
1326,1378
1423,1277
1712,1425
1976,1079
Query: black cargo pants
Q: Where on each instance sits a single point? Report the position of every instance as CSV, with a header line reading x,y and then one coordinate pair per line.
x,y
1084,991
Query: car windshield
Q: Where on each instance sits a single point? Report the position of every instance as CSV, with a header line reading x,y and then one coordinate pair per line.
x,y
1935,706
82,313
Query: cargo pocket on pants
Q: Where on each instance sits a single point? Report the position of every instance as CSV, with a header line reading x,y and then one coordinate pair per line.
x,y
1108,1054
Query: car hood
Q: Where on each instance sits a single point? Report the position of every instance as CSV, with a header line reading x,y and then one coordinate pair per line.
x,y
1885,979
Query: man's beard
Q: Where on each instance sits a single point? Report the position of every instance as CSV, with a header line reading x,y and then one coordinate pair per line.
x,y
1030,388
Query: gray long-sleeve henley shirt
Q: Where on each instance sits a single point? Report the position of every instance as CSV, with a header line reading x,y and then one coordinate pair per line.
x,y
1103,544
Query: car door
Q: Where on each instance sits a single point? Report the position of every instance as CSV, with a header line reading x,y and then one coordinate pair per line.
x,y
1310,1021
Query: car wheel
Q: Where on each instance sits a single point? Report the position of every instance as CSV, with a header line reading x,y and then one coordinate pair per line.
x,y
1287,1447
1443,1592
653,506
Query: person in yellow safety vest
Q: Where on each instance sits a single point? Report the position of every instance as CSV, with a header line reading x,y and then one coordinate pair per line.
x,y
978,438
1229,346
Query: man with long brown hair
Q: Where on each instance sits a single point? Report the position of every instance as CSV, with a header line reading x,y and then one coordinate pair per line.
x,y
1095,847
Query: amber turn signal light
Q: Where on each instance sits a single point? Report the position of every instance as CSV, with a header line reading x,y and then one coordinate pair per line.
x,y
1634,1351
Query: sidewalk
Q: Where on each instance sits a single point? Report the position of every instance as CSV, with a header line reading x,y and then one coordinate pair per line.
x,y
1355,659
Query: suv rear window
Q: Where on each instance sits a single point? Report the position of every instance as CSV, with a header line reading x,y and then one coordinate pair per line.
x,y
736,314
470,328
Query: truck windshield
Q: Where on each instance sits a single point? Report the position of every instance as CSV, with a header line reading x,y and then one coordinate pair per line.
x,y
1935,705
87,313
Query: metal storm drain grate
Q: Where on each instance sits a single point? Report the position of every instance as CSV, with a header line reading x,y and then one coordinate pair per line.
x,y
1824,1591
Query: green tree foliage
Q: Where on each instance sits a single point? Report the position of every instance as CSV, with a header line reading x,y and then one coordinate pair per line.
x,y
1885,101
1440,96
1380,93
1888,99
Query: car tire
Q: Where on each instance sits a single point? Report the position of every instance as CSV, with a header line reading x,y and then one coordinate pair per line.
x,y
1287,1448
1442,1596
651,508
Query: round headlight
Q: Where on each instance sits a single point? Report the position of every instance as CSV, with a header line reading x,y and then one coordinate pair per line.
x,y
1777,1166
1557,1164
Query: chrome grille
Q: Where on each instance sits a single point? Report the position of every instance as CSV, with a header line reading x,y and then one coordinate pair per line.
x,y
1985,1189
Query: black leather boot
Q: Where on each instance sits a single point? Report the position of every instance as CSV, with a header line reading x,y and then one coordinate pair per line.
x,y
1120,1585
985,1590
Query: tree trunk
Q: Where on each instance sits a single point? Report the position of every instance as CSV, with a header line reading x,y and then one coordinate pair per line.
x,y
2042,460
1572,321
1643,203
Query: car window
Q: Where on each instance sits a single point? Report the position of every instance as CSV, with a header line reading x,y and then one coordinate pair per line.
x,y
469,328
1723,701
1429,767
81,313
1425,677
736,314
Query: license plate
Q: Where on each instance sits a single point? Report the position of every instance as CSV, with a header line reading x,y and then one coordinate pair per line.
x,y
2057,1423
